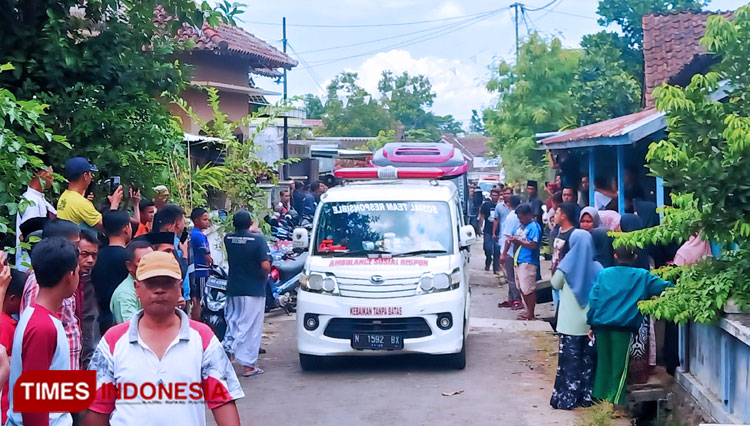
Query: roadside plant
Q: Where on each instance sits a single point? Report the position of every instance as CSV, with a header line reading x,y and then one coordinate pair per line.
x,y
706,161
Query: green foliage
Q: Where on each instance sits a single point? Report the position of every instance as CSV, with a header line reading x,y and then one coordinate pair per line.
x,y
420,135
22,133
384,137
534,96
705,160
703,289
313,106
628,14
476,125
606,85
352,111
243,172
101,74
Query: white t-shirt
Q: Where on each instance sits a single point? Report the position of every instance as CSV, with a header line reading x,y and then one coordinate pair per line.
x,y
601,201
170,387
39,207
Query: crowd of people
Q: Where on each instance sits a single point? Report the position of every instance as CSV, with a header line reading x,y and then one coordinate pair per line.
x,y
96,286
604,341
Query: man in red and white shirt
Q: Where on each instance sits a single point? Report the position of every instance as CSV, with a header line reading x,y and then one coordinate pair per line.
x,y
171,364
67,313
40,342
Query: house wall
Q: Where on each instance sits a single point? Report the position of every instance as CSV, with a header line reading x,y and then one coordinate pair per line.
x,y
716,367
213,67
235,105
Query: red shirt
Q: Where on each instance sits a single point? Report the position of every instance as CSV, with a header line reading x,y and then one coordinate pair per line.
x,y
7,329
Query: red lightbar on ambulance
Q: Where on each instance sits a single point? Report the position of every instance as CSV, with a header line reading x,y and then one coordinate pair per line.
x,y
390,172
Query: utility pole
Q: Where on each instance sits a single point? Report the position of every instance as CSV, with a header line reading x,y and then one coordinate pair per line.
x,y
285,167
517,7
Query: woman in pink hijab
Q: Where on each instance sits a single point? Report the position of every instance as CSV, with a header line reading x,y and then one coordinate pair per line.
x,y
692,251
610,220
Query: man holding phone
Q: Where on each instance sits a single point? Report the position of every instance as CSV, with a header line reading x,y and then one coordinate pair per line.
x,y
73,206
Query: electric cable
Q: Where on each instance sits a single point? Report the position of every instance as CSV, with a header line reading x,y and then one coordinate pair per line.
x,y
377,25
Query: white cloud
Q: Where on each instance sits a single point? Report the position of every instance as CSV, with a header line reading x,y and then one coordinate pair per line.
x,y
459,85
448,9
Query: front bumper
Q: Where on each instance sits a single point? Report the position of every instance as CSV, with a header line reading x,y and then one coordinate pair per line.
x,y
428,306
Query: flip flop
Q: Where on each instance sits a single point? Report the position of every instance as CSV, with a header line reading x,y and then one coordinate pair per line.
x,y
505,304
255,372
517,306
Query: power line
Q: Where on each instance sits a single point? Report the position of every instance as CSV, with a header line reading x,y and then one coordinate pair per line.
x,y
410,42
539,8
571,14
378,25
307,68
381,39
551,10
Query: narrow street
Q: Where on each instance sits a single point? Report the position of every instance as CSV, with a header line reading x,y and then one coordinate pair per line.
x,y
507,381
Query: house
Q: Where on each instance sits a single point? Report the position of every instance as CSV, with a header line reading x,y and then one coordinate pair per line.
x,y
475,151
225,58
714,360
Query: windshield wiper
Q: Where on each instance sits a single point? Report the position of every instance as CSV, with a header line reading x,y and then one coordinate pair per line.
x,y
357,253
418,252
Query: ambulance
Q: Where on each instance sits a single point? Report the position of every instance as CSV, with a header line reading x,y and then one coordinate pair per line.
x,y
388,268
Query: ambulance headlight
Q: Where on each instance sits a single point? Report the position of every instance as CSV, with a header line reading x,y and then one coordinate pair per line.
x,y
426,283
329,284
315,282
441,281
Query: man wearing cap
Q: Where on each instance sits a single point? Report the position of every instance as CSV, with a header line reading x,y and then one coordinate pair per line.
x,y
160,347
73,206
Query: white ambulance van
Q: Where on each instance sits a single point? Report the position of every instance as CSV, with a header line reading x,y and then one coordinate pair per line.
x,y
388,270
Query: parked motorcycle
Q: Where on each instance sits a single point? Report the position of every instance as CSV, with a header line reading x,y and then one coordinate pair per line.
x,y
281,292
214,301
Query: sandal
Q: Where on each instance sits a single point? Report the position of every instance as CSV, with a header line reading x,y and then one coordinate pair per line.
x,y
256,371
517,306
506,304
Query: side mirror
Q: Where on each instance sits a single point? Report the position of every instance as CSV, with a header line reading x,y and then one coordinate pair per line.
x,y
466,236
301,238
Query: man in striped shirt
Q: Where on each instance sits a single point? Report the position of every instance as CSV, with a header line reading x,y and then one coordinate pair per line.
x,y
40,342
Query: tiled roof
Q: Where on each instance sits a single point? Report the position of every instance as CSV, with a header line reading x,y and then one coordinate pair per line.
x,y
670,42
475,146
615,127
226,38
313,122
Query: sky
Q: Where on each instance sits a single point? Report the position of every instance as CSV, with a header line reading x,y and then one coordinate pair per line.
x,y
454,50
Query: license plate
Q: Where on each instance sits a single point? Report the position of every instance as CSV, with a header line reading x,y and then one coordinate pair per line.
x,y
377,341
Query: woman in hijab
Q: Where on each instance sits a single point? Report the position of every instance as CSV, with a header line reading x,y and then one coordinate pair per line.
x,y
610,220
575,276
591,222
646,210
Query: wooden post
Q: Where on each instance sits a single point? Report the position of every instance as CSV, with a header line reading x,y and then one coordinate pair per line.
x,y
592,174
621,179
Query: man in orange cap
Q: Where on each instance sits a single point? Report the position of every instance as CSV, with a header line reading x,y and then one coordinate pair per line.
x,y
160,344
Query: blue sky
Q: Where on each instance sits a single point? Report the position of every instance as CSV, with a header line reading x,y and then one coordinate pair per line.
x,y
453,53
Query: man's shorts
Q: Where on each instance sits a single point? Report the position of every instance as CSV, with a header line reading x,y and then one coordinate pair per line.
x,y
526,278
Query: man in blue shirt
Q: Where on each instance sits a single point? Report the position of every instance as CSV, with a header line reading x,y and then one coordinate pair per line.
x,y
510,225
201,257
527,239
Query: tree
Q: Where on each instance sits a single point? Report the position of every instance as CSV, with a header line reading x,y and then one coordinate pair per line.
x,y
101,74
21,131
476,125
313,106
351,111
705,159
628,14
448,124
408,98
606,85
534,96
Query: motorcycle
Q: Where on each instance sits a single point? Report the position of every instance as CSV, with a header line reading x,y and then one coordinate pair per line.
x,y
281,291
214,301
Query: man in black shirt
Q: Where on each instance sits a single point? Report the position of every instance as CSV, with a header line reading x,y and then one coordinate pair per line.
x,y
487,220
249,266
533,200
110,269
